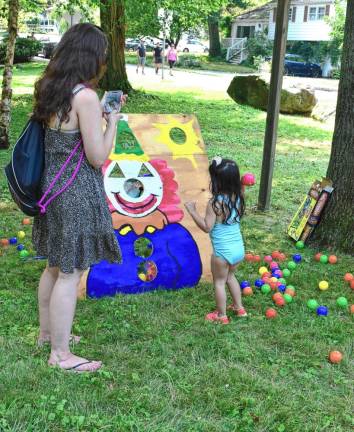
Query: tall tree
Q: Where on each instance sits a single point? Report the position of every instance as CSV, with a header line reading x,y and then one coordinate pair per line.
x,y
337,226
6,96
113,23
214,35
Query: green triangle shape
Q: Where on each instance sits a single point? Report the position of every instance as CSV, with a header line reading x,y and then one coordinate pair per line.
x,y
126,142
144,171
116,172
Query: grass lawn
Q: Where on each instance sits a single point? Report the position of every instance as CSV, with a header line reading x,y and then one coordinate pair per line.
x,y
167,370
204,63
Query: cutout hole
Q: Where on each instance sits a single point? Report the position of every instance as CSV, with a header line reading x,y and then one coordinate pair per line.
x,y
143,247
147,271
134,188
178,135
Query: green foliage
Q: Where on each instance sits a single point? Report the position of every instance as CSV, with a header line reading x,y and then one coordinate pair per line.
x,y
337,32
310,51
25,49
258,46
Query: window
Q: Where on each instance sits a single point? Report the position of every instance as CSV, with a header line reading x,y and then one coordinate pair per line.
x,y
312,14
321,13
318,13
292,14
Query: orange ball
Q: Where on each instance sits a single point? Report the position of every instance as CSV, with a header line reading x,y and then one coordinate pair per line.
x,y
282,257
247,291
256,258
26,221
276,296
348,277
318,256
290,291
273,285
4,242
351,284
271,313
352,309
280,302
249,257
332,259
274,279
335,357
275,254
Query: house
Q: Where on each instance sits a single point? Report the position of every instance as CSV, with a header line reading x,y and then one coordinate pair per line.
x,y
307,22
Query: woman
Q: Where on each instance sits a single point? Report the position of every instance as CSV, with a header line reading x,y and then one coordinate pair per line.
x,y
76,231
172,57
157,57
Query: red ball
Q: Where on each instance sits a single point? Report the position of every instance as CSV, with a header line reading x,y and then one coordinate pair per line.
x,y
332,259
348,277
335,357
351,284
280,302
249,257
266,275
282,257
256,258
275,254
247,291
266,280
290,291
248,179
268,259
352,309
273,285
26,221
318,256
276,296
271,313
4,242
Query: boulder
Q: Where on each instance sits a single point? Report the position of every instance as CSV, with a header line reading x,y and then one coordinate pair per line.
x,y
253,90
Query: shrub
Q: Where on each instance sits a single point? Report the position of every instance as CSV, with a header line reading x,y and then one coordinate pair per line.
x,y
258,46
25,49
335,74
189,61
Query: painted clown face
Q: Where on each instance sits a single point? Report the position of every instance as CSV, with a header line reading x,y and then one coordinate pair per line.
x,y
134,188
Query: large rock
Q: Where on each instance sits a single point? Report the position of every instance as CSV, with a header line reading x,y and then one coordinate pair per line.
x,y
253,90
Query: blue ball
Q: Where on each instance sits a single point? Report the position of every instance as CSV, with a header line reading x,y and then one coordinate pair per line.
x,y
13,240
282,288
258,283
297,258
322,311
244,284
277,274
20,247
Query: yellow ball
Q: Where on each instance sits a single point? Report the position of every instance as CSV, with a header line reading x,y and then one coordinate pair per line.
x,y
323,285
21,234
262,270
142,276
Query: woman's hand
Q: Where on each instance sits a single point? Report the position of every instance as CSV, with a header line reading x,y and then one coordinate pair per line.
x,y
113,117
191,206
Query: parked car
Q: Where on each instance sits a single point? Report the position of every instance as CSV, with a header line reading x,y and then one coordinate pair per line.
x,y
193,46
294,65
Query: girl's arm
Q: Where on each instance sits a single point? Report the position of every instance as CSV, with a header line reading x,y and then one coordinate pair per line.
x,y
207,223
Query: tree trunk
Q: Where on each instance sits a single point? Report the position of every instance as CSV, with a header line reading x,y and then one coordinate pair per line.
x,y
336,229
214,35
5,106
113,24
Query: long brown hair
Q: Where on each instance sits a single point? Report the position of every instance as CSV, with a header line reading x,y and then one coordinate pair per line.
x,y
80,57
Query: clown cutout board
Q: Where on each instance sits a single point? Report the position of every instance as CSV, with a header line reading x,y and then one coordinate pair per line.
x,y
158,162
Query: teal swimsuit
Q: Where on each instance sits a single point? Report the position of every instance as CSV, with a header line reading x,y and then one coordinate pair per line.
x,y
226,238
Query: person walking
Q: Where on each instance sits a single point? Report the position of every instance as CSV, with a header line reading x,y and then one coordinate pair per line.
x,y
141,52
157,57
172,57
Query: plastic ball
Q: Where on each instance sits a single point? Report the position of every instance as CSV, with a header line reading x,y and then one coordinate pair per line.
x,y
291,265
268,259
271,313
265,289
248,179
275,254
318,256
278,273
322,311
297,258
291,287
26,221
142,276
20,247
247,291
348,277
323,285
288,298
4,242
258,283
351,284
312,304
290,291
280,301
300,244
21,234
266,274
335,357
276,295
24,253
352,309
342,302
249,257
332,259
282,257
282,288
286,272
273,285
324,259
262,270
244,284
282,281
13,240
274,265
256,258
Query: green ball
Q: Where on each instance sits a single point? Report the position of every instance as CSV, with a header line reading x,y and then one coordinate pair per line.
x,y
288,298
324,259
282,281
300,244
24,253
286,272
291,265
342,302
312,304
291,287
266,289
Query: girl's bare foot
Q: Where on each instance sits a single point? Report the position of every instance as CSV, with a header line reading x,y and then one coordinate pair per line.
x,y
75,364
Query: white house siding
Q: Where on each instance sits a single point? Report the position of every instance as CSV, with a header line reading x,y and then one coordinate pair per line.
x,y
302,30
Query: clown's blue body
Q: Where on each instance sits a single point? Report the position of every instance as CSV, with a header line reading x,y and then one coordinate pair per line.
x,y
175,254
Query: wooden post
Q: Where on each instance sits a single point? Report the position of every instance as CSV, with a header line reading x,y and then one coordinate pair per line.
x,y
276,81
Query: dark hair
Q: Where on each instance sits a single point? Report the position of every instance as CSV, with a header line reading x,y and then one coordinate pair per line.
x,y
225,180
79,57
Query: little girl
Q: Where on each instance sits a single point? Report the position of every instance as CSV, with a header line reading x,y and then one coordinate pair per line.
x,y
222,222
